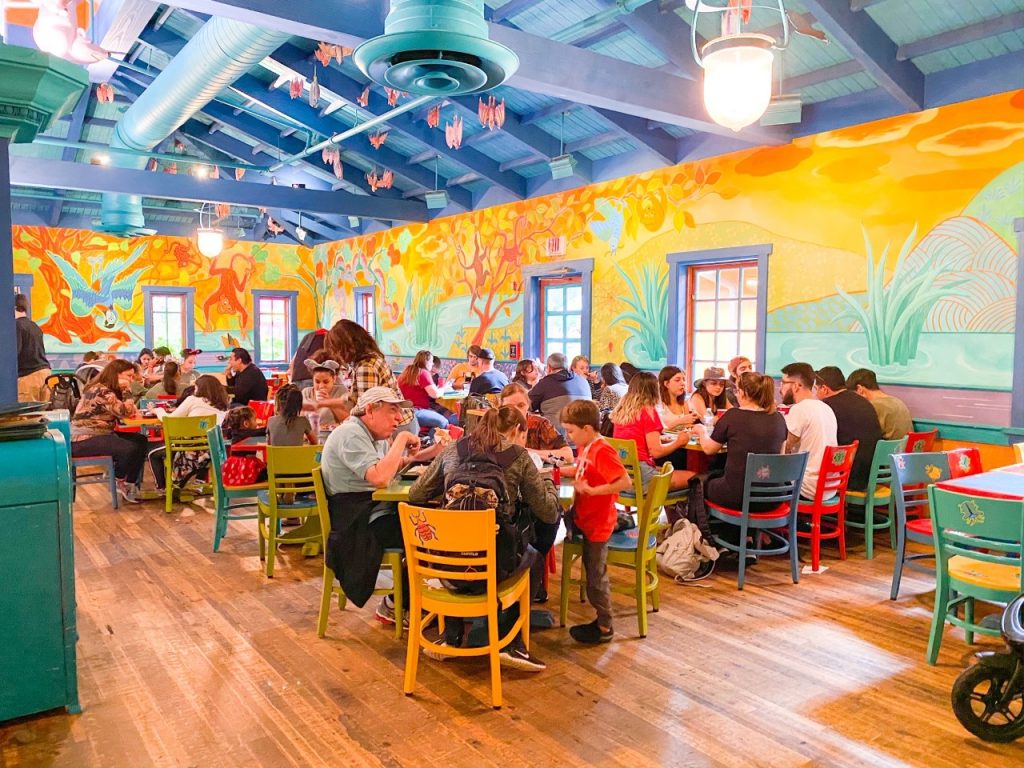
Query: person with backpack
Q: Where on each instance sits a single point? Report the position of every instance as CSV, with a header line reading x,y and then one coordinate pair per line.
x,y
491,468
600,477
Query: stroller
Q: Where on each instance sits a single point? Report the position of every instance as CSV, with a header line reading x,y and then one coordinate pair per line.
x,y
988,697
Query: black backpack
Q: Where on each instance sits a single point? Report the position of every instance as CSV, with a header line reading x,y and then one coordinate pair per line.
x,y
478,482
64,394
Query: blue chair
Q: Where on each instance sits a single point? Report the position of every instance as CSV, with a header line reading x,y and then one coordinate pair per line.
x,y
978,546
769,479
224,496
877,494
911,475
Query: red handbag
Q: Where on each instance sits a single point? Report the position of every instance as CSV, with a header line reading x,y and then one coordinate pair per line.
x,y
243,470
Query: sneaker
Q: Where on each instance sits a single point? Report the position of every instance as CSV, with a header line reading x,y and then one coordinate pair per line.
x,y
541,596
128,492
430,653
591,634
515,656
386,613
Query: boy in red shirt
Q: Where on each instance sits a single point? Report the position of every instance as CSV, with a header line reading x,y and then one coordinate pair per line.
x,y
600,477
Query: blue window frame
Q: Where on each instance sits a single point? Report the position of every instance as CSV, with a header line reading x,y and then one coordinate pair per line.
x,y
276,326
556,312
366,308
710,308
23,285
169,317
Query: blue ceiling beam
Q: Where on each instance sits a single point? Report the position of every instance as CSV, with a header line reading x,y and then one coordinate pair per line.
x,y
860,5
50,174
117,25
976,80
664,147
522,162
77,124
600,35
668,32
552,110
871,46
512,8
31,218
979,31
338,82
797,83
589,142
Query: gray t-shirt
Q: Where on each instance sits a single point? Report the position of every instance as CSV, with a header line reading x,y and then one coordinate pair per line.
x,y
281,433
349,452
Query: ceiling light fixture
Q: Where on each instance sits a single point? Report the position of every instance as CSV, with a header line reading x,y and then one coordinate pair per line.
x,y
300,231
101,158
563,166
54,31
209,239
437,199
201,172
737,65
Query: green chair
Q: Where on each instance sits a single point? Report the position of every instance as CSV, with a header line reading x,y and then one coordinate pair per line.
x,y
223,495
182,434
877,494
635,548
978,548
289,471
630,459
391,559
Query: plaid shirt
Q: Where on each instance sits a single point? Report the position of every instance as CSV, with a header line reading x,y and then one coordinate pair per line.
x,y
541,434
374,372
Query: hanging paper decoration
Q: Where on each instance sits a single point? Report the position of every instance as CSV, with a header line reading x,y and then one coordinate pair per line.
x,y
377,139
314,91
172,169
491,113
263,212
274,227
384,181
434,116
453,132
393,95
324,53
296,86
105,93
152,165
215,172
329,155
239,173
223,210
741,7
364,98
337,167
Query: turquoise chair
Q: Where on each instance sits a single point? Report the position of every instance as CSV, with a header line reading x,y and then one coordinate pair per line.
x,y
769,479
877,494
978,548
911,475
226,499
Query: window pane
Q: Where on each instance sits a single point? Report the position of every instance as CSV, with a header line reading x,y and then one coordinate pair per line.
x,y
159,303
555,327
705,284
704,346
728,345
554,299
572,349
748,345
748,315
728,283
750,282
573,326
727,318
574,298
704,315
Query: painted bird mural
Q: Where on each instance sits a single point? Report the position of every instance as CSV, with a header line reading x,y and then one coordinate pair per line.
x,y
105,291
609,227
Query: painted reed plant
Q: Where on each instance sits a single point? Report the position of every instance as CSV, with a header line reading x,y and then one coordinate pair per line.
x,y
424,319
647,319
894,315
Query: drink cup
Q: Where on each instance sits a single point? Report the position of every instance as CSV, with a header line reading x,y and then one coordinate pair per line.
x,y
314,422
556,474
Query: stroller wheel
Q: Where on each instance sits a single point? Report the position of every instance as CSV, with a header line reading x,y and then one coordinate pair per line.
x,y
978,703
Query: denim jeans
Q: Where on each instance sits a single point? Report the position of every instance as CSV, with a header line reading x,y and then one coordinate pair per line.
x,y
431,420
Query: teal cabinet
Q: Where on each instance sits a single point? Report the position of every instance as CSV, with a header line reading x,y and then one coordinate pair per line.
x,y
37,578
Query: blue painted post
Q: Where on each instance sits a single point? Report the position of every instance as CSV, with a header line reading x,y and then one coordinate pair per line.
x,y
8,340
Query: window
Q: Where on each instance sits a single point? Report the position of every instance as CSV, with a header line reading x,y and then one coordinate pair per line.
x,y
723,314
23,285
561,301
717,307
169,317
276,331
366,309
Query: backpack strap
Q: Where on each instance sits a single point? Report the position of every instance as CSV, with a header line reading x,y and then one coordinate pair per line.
x,y
507,458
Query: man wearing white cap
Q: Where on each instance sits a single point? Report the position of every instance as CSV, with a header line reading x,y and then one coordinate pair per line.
x,y
357,460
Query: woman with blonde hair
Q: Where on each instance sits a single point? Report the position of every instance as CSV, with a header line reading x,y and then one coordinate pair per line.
x,y
636,418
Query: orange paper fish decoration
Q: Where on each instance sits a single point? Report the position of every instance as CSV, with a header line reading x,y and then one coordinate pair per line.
x,y
324,53
364,97
377,139
239,173
491,113
273,226
393,95
434,116
453,132
223,210
384,181
105,93
296,86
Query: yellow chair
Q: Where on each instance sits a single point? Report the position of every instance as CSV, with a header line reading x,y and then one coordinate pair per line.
x,y
437,539
289,471
392,559
182,434
634,549
630,459
1018,452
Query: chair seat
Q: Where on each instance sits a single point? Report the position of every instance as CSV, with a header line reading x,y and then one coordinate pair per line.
x,y
921,525
780,511
881,492
627,540
264,499
243,488
805,507
988,575
91,459
627,494
505,589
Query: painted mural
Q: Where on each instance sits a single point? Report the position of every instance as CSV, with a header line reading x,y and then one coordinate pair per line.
x,y
85,289
893,248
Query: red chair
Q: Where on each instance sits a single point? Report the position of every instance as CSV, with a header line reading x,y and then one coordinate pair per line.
x,y
828,515
963,462
921,442
263,409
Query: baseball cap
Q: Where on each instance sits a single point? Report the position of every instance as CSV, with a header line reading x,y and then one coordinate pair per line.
x,y
187,352
485,354
379,395
831,377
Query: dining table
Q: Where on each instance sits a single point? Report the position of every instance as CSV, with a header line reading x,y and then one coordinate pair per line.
x,y
398,491
1001,483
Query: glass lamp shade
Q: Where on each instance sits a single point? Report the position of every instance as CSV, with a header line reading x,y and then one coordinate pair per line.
x,y
54,32
209,241
737,79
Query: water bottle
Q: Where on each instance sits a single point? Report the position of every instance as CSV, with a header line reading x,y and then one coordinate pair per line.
x,y
709,420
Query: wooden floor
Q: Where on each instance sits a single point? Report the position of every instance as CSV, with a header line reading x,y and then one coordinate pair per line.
x,y
188,658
